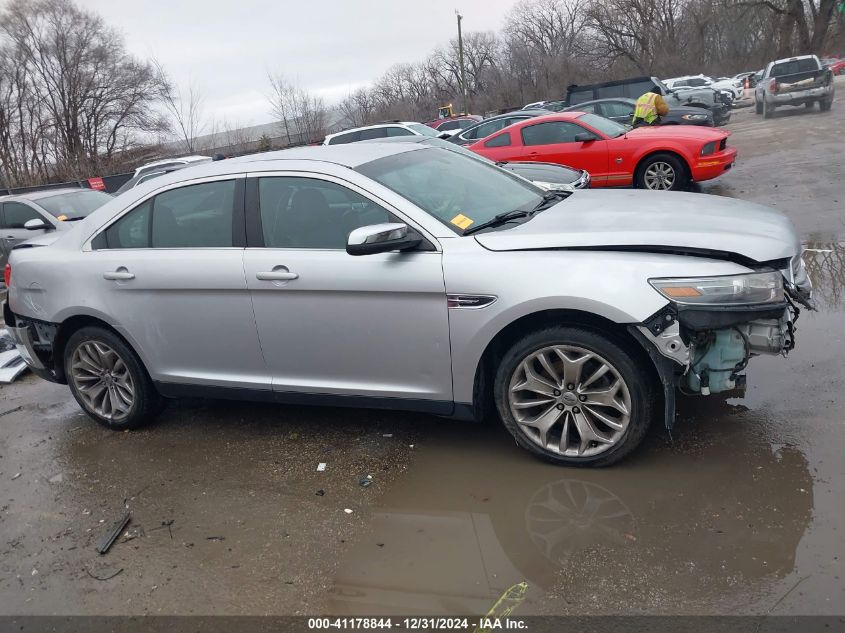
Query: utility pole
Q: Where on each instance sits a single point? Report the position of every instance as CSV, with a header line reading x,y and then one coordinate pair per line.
x,y
461,63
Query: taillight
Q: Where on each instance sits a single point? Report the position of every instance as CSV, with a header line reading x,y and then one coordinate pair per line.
x,y
7,275
773,85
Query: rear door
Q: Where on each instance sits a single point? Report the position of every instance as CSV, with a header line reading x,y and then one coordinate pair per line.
x,y
554,142
169,275
13,216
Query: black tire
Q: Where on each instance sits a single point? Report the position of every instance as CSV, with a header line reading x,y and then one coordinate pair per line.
x,y
758,107
637,378
768,110
825,104
147,402
681,180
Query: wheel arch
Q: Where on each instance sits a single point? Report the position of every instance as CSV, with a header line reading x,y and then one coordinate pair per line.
x,y
74,323
482,396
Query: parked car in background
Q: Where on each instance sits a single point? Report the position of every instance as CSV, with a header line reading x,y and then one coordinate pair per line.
x,y
493,124
836,66
621,110
651,157
141,179
730,85
718,103
545,175
794,81
406,277
382,130
26,216
166,163
460,122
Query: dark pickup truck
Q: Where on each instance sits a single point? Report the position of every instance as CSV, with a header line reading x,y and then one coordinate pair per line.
x,y
794,81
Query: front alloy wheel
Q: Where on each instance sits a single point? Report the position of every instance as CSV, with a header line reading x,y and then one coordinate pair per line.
x,y
659,176
570,401
573,396
661,172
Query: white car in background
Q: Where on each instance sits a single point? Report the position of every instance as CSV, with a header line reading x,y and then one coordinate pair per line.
x,y
385,130
725,84
166,163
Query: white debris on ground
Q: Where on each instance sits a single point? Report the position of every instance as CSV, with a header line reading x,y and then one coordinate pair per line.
x,y
11,362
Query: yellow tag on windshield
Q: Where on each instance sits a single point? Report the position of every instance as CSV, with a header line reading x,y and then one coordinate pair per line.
x,y
61,218
462,221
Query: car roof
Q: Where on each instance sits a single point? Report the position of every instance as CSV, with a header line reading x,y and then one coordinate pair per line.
x,y
792,59
42,193
534,111
373,127
605,100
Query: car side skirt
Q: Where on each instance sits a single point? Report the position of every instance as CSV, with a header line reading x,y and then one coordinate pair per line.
x,y
445,408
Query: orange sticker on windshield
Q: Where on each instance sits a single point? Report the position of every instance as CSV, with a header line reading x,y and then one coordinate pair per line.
x,y
462,221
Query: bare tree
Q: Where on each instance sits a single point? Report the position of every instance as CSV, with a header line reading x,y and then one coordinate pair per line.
x,y
185,107
302,116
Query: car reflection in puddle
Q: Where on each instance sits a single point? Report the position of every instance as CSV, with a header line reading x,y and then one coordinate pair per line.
x,y
709,523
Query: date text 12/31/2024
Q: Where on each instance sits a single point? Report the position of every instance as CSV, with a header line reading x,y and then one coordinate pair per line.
x,y
478,625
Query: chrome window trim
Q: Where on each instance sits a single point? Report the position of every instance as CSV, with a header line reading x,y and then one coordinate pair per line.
x,y
86,245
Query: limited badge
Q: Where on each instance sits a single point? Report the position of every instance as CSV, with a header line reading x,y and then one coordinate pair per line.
x,y
462,221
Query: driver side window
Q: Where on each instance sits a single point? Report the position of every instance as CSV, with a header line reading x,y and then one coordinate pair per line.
x,y
550,133
311,213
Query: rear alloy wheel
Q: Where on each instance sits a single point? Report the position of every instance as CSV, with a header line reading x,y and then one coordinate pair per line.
x,y
825,104
108,381
661,172
573,397
758,107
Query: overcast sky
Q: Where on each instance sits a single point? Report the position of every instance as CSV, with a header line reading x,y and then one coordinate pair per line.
x,y
329,46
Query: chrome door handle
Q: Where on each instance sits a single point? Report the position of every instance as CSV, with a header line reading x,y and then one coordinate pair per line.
x,y
282,274
120,274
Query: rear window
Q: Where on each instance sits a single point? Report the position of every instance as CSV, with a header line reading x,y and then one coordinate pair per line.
x,y
74,205
794,66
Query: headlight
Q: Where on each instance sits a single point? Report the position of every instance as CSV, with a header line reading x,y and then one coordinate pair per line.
x,y
694,117
708,149
556,186
746,289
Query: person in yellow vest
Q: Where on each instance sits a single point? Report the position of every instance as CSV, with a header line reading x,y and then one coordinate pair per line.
x,y
650,107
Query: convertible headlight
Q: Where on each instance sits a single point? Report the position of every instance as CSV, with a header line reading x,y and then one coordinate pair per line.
x,y
556,186
694,117
746,289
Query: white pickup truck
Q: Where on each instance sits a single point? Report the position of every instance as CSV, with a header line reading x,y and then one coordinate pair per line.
x,y
794,81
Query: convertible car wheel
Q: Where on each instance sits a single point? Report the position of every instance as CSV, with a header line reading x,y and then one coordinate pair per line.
x,y
573,397
661,172
108,380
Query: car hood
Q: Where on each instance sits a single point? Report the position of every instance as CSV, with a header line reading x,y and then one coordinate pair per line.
x,y
691,132
656,221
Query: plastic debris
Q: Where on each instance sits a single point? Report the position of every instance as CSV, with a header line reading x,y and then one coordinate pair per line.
x,y
56,479
320,492
321,467
387,434
348,510
365,480
15,476
114,531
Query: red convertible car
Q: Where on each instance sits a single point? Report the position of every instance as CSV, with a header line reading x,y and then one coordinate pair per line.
x,y
663,158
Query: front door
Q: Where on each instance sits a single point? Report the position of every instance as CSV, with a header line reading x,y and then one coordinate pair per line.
x,y
555,142
331,323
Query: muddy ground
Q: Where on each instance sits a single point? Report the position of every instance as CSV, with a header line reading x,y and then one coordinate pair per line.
x,y
743,511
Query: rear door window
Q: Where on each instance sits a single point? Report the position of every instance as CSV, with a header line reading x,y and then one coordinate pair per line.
x,y
501,140
398,131
194,216
349,137
618,109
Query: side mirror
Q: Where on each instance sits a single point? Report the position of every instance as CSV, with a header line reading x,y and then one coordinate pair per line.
x,y
448,133
584,137
36,224
381,238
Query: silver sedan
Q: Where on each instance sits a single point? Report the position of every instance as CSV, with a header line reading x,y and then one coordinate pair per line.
x,y
408,277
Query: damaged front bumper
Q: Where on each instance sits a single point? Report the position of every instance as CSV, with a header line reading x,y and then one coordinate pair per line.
x,y
703,349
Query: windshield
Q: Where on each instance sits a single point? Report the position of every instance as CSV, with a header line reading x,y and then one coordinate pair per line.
x,y
424,130
607,127
74,206
457,190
